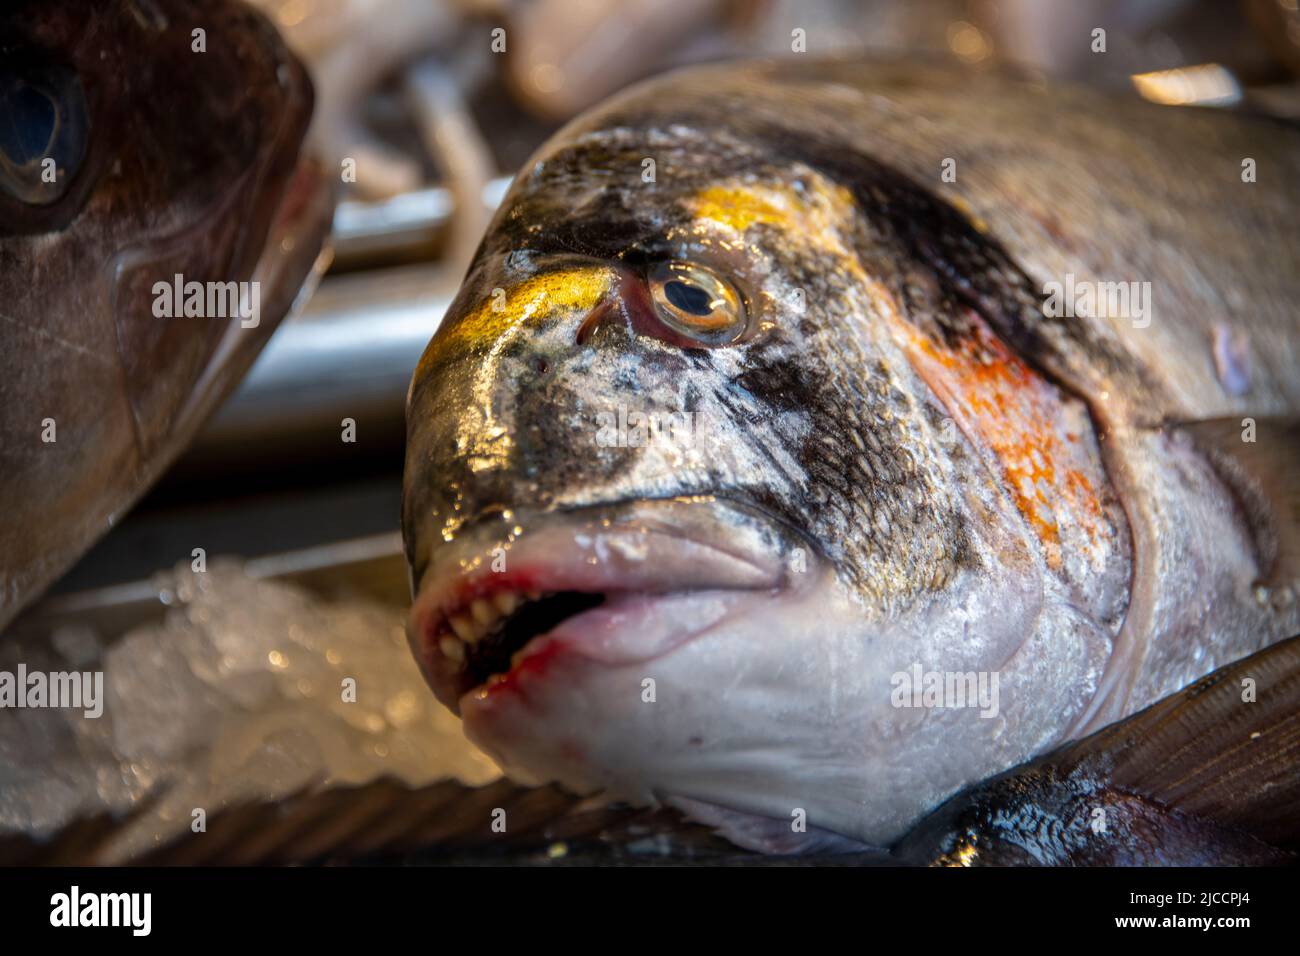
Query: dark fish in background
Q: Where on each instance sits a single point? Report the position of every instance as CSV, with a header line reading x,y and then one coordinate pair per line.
x,y
129,156
775,385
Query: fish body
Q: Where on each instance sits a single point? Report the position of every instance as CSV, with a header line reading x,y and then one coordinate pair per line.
x,y
1204,777
808,441
149,148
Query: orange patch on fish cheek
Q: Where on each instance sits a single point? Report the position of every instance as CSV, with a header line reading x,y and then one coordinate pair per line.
x,y
1001,403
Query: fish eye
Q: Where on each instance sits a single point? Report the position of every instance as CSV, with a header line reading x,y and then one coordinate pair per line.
x,y
43,133
697,302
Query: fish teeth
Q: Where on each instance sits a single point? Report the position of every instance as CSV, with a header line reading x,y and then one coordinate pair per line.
x,y
484,612
479,620
464,628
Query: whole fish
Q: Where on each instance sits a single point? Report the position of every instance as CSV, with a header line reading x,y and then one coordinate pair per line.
x,y
810,440
148,149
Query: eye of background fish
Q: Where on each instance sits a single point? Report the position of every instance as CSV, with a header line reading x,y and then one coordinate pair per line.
x,y
697,302
42,116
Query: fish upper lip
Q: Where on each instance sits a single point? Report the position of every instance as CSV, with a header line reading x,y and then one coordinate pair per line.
x,y
627,559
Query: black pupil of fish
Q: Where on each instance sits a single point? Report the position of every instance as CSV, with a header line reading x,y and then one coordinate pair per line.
x,y
688,298
26,121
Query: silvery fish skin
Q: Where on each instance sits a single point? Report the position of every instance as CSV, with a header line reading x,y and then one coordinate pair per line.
x,y
1204,777
170,160
708,543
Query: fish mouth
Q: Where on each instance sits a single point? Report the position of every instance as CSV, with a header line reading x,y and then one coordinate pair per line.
x,y
607,586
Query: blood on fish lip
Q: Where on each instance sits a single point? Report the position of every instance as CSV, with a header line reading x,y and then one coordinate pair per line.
x,y
535,665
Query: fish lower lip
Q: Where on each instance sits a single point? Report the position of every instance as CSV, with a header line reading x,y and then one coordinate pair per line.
x,y
608,628
624,628
593,585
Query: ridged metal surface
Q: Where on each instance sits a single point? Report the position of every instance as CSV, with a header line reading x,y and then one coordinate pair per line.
x,y
388,822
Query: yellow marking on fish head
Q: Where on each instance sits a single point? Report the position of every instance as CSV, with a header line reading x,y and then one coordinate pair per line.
x,y
545,297
478,336
821,212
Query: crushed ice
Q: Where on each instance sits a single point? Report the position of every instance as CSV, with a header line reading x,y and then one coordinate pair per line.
x,y
239,690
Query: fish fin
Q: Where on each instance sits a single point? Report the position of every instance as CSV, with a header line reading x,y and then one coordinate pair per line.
x,y
1207,776
1225,749
1259,458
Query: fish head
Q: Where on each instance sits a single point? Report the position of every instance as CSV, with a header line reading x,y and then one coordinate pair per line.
x,y
118,182
684,496
146,146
